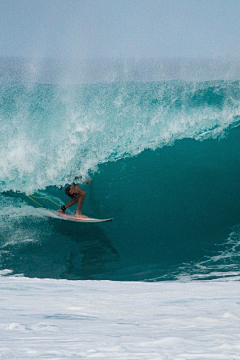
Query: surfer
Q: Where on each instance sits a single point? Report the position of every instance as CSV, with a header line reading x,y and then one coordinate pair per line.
x,y
77,195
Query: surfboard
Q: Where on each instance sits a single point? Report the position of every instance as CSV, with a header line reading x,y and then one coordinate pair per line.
x,y
69,217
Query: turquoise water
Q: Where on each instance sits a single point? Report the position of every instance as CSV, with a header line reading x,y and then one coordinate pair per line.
x,y
164,159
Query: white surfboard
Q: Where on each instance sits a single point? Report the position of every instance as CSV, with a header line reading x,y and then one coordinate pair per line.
x,y
69,217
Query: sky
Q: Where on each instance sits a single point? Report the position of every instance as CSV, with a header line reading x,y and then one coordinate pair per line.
x,y
120,29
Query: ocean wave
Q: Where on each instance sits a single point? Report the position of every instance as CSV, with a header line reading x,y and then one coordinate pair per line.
x,y
52,134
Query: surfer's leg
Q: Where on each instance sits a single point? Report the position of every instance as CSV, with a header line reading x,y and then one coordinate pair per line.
x,y
67,192
80,197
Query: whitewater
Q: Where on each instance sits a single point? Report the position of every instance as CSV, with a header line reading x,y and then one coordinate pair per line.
x,y
60,319
160,141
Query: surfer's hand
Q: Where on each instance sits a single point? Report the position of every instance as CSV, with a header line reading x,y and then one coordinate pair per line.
x,y
88,181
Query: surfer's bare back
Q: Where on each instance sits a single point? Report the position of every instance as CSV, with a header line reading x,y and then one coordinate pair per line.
x,y
77,195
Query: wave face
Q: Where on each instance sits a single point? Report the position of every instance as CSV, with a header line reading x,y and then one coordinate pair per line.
x,y
174,206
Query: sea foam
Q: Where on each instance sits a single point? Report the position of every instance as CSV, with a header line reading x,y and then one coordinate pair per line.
x,y
171,320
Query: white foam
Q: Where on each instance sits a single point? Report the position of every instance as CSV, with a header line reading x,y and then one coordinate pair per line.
x,y
113,320
53,134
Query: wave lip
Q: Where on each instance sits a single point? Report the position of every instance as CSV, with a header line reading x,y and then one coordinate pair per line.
x,y
52,134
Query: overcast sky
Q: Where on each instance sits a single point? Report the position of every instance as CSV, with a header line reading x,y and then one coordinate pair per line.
x,y
138,29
